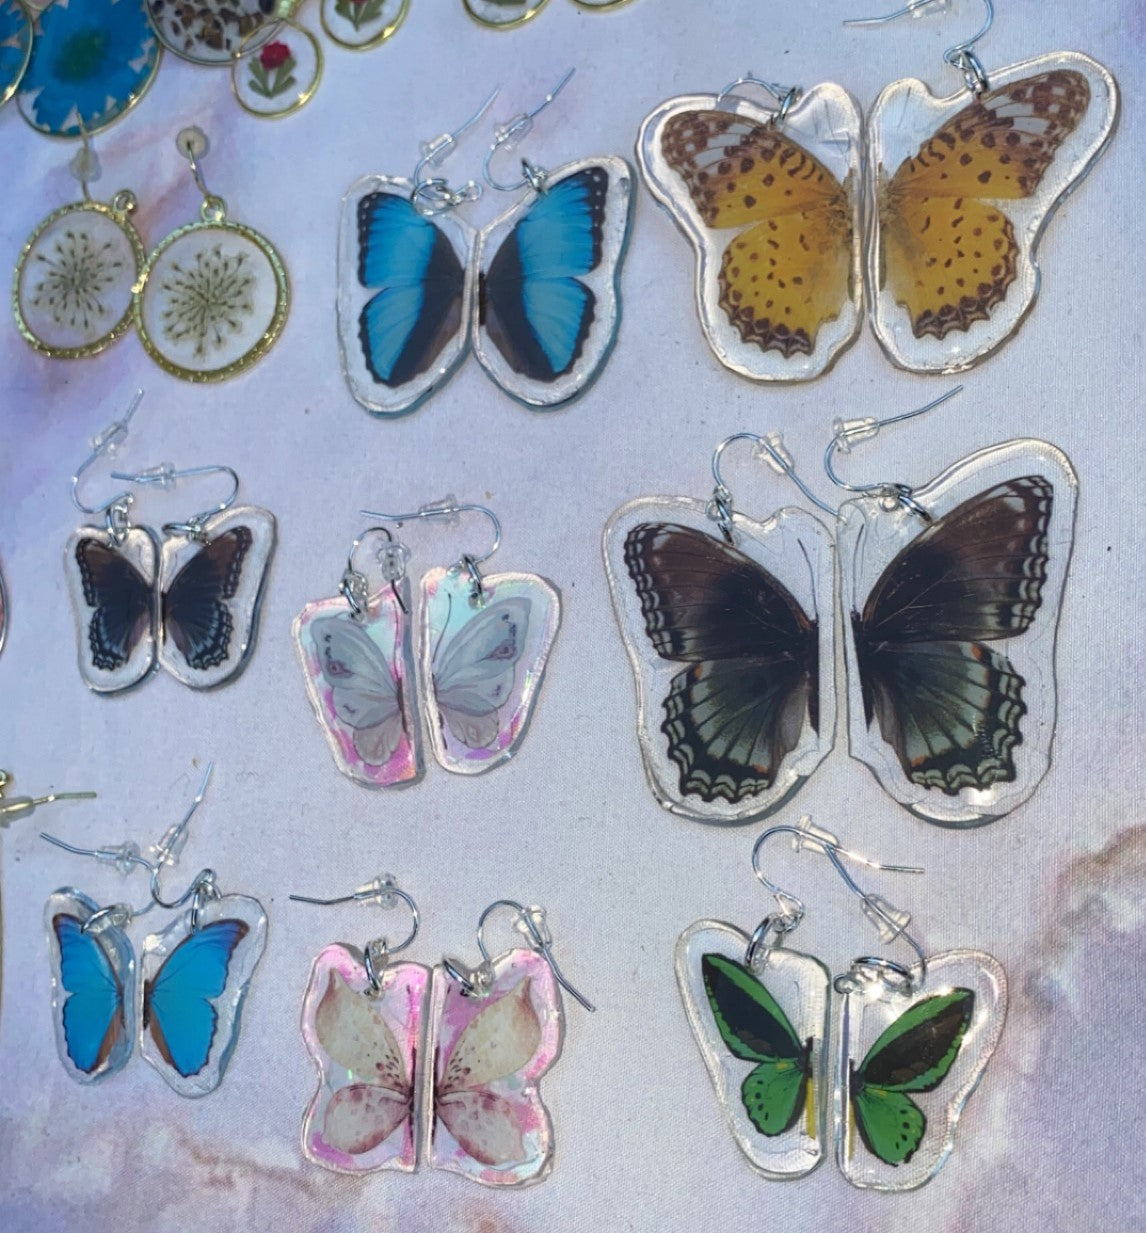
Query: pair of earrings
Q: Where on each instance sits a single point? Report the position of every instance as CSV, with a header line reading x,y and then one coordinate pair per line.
x,y
210,299
483,643
189,602
956,193
439,1065
910,1043
183,998
735,665
536,292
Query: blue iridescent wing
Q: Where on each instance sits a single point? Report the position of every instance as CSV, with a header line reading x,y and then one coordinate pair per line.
x,y
418,306
93,1016
532,302
177,1001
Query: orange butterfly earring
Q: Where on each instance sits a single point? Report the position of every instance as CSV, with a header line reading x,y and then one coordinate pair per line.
x,y
767,194
960,190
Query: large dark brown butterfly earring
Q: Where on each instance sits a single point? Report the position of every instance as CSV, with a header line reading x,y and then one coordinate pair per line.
x,y
949,600
727,624
961,204
189,601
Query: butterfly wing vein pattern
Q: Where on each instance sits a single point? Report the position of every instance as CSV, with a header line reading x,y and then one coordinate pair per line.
x,y
738,708
950,706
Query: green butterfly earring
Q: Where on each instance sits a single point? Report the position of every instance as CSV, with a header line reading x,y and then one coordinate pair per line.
x,y
911,1042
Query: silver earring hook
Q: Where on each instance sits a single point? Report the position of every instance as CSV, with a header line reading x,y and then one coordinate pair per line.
x,y
961,56
172,844
432,194
531,922
384,891
192,143
124,857
891,923
772,449
107,442
446,509
21,806
786,96
164,475
514,131
84,164
846,433
355,586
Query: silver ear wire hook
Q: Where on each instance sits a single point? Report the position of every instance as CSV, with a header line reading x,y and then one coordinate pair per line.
x,y
786,96
513,131
124,857
355,586
531,922
891,923
107,442
21,806
168,850
85,162
192,143
164,475
432,194
961,56
771,448
386,893
846,433
445,509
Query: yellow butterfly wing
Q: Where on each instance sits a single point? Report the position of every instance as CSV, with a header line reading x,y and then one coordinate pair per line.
x,y
789,272
948,250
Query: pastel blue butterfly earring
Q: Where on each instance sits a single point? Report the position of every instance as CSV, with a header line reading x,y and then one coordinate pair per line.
x,y
183,996
473,665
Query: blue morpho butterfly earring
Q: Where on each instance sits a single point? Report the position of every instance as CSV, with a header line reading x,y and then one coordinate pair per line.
x,y
538,287
190,603
185,994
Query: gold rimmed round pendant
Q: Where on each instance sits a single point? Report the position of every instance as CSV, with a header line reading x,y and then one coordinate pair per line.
x,y
213,296
275,76
362,24
74,280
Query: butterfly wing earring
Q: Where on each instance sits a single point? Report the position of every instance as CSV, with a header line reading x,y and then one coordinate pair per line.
x,y
362,1023
724,621
72,289
549,271
356,651
961,189
214,295
950,595
483,644
768,197
405,280
492,1033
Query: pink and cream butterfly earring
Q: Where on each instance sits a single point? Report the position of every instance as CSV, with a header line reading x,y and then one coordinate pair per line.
x,y
436,1066
959,192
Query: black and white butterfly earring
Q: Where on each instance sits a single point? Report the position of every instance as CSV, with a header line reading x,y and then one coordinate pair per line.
x,y
549,270
949,601
190,604
483,642
727,624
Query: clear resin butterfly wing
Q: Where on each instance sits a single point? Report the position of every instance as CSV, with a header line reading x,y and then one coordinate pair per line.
x,y
365,1044
212,589
772,213
731,651
960,191
192,986
93,986
907,1063
360,679
112,584
762,1033
482,663
483,1113
949,631
549,282
405,287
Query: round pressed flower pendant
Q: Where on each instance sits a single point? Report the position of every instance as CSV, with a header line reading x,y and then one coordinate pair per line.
x,y
15,46
280,75
362,24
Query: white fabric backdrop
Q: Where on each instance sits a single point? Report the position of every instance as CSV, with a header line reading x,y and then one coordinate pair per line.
x,y
1050,1141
